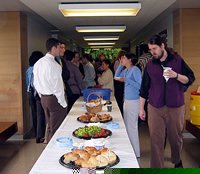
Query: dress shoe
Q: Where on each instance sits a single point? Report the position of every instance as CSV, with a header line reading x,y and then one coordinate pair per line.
x,y
178,165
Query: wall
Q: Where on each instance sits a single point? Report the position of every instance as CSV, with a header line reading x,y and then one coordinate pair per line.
x,y
38,33
186,42
12,58
162,22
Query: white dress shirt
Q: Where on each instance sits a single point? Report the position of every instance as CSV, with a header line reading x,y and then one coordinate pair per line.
x,y
48,78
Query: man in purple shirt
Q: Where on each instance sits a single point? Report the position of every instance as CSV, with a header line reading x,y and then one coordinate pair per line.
x,y
164,81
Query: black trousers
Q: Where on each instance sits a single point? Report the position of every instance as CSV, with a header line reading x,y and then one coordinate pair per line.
x,y
71,99
119,94
38,116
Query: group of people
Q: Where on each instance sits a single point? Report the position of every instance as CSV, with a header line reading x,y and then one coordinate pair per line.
x,y
145,80
59,76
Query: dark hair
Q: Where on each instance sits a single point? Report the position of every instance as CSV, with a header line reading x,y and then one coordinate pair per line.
x,y
107,62
68,55
52,42
61,42
35,56
132,57
75,52
144,48
157,40
87,56
121,53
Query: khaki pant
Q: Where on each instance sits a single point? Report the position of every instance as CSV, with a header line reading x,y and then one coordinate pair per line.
x,y
54,114
161,120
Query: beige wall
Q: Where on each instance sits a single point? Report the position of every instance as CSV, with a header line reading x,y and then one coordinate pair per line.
x,y
12,65
186,42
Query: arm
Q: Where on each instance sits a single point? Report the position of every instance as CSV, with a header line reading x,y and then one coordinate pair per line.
x,y
186,71
144,92
142,113
119,72
186,77
58,87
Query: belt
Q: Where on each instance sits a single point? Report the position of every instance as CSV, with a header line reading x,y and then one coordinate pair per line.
x,y
47,95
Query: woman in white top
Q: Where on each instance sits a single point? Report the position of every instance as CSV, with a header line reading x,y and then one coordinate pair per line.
x,y
106,79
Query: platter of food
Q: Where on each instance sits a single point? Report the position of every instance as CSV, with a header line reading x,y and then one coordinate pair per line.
x,y
89,132
89,157
94,118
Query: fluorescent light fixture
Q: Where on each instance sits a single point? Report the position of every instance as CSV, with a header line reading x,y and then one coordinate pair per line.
x,y
87,29
101,43
100,38
100,9
101,46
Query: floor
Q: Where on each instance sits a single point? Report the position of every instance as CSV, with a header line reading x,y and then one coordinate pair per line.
x,y
20,155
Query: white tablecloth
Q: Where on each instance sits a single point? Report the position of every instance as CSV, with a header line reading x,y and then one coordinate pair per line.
x,y
48,162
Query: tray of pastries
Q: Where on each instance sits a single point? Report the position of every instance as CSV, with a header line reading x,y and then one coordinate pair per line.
x,y
94,118
89,132
89,157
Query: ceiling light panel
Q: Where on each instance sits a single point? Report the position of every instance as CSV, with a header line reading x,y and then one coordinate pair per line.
x,y
101,46
101,43
96,29
100,38
100,9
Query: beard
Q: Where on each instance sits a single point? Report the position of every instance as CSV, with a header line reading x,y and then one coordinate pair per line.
x,y
159,56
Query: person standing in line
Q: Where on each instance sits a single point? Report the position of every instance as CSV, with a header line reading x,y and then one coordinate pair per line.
x,y
37,112
75,81
144,57
165,91
132,77
77,61
59,59
118,85
89,71
106,78
49,85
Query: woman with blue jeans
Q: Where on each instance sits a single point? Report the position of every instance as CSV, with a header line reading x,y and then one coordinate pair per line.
x,y
132,77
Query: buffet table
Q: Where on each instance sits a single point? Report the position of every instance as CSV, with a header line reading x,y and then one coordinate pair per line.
x,y
48,162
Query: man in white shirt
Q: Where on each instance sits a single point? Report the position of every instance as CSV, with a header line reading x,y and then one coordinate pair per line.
x,y
49,85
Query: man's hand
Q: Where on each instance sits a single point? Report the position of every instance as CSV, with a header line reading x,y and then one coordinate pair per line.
x,y
142,114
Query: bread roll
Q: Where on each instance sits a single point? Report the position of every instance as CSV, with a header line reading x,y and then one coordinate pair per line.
x,y
104,150
70,157
102,161
89,148
110,156
93,161
79,161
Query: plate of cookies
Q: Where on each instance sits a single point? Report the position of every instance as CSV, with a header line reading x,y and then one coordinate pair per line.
x,y
89,157
94,118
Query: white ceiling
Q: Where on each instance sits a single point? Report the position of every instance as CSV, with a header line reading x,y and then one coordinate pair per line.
x,y
48,10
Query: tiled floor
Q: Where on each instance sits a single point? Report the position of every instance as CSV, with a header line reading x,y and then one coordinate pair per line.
x,y
19,156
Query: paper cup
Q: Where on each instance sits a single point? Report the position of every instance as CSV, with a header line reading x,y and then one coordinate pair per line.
x,y
165,70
